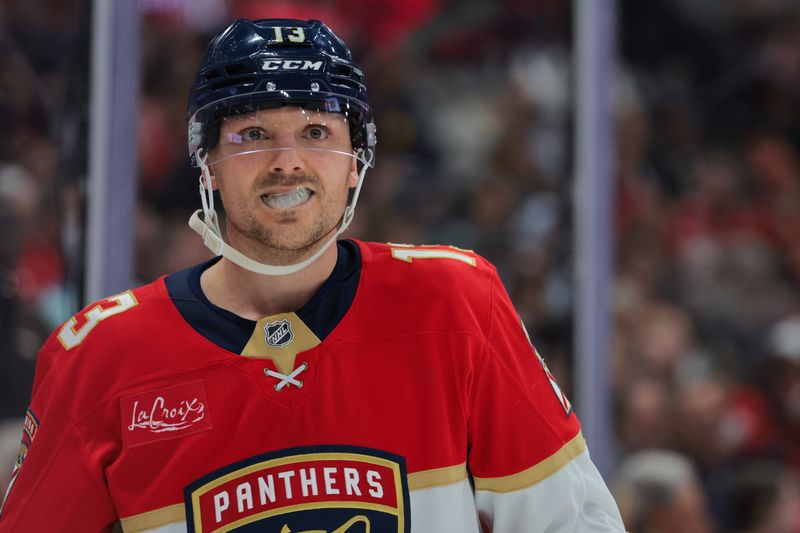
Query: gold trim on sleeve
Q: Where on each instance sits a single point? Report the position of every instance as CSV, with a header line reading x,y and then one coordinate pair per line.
x,y
154,519
437,477
537,472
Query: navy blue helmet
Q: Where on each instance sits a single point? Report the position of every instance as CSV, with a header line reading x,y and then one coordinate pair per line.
x,y
273,62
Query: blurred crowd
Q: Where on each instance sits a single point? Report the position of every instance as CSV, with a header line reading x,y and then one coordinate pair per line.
x,y
474,113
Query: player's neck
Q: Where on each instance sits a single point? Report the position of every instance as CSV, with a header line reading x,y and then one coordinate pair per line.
x,y
254,296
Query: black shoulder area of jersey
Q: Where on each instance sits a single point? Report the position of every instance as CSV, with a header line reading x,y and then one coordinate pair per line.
x,y
321,314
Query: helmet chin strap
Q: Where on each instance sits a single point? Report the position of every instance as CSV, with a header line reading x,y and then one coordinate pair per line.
x,y
208,226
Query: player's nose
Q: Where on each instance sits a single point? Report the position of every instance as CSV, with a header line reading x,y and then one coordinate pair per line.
x,y
286,160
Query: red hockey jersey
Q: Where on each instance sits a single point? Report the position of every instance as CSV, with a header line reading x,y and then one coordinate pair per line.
x,y
424,408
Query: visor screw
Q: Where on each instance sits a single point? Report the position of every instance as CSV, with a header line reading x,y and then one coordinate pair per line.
x,y
314,86
271,86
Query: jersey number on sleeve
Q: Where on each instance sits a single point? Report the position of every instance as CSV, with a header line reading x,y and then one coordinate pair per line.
x,y
408,254
70,336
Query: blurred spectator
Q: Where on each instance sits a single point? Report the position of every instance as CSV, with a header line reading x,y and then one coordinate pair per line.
x,y
645,416
658,491
782,384
764,497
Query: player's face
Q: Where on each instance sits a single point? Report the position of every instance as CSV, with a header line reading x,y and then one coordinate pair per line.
x,y
283,175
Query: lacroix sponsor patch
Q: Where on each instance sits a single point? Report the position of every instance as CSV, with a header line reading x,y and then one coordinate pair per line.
x,y
321,489
166,413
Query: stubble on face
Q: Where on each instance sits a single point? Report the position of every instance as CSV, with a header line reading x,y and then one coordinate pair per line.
x,y
284,238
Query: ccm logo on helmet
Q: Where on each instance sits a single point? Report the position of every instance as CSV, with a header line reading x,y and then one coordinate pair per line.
x,y
290,64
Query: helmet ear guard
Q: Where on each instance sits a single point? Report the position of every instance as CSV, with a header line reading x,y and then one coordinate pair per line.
x,y
269,63
195,140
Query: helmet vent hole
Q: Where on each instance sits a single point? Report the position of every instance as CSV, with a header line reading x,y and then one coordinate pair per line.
x,y
237,70
341,70
213,75
231,82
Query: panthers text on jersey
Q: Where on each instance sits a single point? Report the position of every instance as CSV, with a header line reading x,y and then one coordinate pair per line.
x,y
405,396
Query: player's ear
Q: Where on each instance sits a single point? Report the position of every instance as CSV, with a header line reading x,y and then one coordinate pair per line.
x,y
352,177
214,182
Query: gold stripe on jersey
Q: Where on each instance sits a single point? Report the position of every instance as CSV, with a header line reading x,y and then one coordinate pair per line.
x,y
437,477
537,472
303,339
153,519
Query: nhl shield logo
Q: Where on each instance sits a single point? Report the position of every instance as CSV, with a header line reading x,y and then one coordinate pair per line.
x,y
278,334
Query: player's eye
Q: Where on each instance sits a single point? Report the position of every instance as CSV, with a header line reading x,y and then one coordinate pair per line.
x,y
253,134
317,133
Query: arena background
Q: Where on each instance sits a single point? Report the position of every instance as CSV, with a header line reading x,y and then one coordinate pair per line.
x,y
475,105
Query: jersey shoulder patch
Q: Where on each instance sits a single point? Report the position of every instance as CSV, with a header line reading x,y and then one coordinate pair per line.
x,y
30,427
562,398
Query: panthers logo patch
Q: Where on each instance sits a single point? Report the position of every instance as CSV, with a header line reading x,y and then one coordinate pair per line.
x,y
328,489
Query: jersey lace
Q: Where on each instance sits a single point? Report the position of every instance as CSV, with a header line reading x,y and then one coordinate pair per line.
x,y
287,379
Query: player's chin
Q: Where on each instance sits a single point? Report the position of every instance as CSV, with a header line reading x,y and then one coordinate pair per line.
x,y
297,244
307,238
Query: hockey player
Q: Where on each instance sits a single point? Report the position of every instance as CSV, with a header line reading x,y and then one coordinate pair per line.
x,y
296,382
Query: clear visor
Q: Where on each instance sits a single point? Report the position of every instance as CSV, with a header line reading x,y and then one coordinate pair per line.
x,y
256,127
